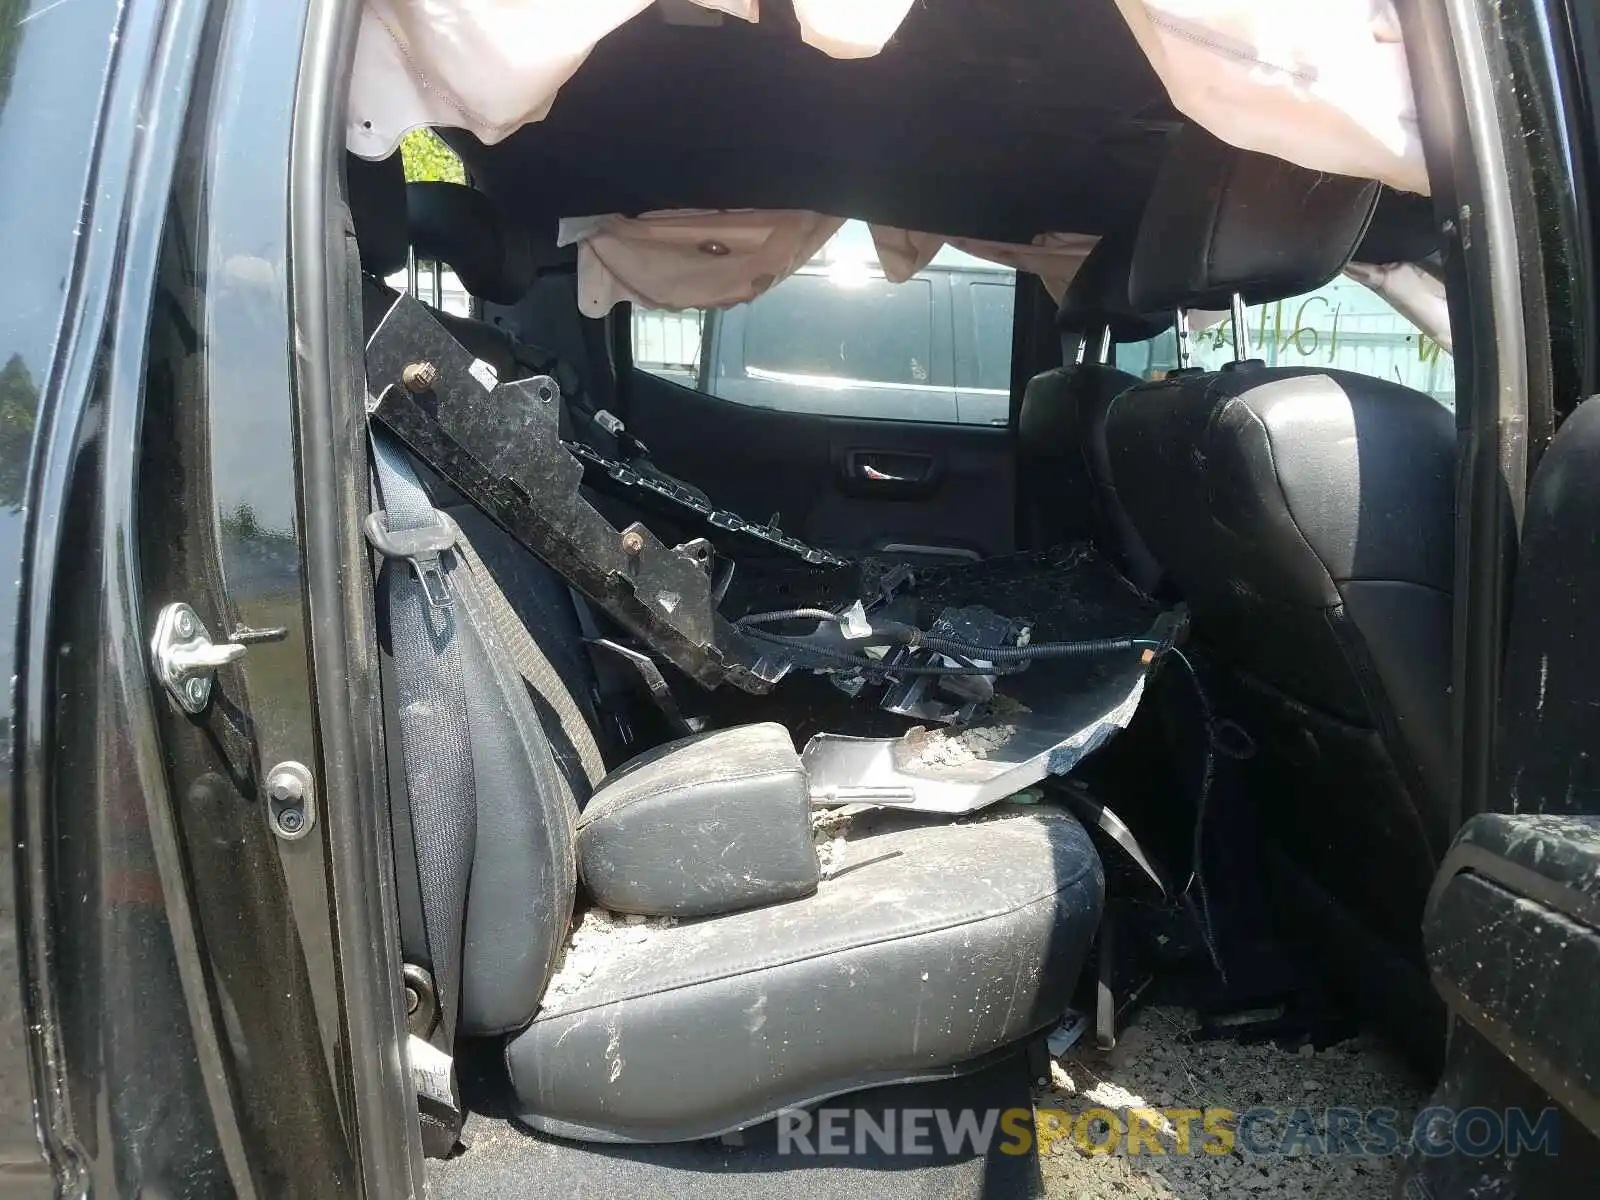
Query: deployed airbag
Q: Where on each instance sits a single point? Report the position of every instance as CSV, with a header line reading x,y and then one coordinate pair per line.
x,y
1320,83
493,66
697,258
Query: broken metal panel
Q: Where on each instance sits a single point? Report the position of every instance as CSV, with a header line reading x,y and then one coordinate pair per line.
x,y
692,505
499,443
1050,718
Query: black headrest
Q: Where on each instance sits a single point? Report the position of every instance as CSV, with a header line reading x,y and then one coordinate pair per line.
x,y
377,195
460,226
1222,220
1403,229
1097,297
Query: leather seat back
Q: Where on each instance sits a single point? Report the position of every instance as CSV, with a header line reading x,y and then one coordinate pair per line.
x,y
1308,518
1064,474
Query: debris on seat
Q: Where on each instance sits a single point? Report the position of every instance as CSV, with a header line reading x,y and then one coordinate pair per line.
x,y
830,830
596,934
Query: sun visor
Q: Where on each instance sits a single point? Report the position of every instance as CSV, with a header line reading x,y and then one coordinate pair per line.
x,y
1320,83
493,66
716,259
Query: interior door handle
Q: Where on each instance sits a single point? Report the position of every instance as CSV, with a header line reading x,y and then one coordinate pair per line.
x,y
868,471
890,468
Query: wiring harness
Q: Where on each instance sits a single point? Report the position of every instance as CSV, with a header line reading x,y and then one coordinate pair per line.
x,y
968,658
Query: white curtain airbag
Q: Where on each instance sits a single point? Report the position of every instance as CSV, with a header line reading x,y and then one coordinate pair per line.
x,y
1416,294
1320,83
493,66
689,259
716,259
1053,257
849,28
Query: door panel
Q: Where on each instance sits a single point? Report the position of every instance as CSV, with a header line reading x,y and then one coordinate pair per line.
x,y
1512,930
948,486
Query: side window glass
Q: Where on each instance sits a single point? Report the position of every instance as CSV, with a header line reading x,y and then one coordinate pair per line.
x,y
838,339
668,343
1342,326
993,308
866,331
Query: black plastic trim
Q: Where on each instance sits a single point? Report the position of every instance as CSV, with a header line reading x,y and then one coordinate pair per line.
x,y
1467,120
331,427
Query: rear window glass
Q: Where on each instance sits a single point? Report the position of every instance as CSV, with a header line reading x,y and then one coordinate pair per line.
x,y
838,339
863,329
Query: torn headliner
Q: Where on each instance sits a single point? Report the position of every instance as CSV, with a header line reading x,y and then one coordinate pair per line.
x,y
976,120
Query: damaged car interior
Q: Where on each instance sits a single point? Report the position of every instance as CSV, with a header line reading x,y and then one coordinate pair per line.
x,y
746,754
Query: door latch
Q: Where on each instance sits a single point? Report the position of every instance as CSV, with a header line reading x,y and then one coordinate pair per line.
x,y
185,658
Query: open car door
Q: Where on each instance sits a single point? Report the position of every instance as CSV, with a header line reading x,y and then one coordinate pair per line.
x,y
1512,928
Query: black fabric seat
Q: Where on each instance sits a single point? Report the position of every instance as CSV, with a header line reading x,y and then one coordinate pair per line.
x,y
1307,517
1064,478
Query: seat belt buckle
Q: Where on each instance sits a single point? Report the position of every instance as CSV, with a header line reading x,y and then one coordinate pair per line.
x,y
420,547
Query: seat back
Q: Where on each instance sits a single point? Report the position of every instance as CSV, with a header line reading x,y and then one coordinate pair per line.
x,y
507,887
1056,501
1308,518
1064,477
485,799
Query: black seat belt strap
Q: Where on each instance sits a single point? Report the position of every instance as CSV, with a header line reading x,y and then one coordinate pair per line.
x,y
532,664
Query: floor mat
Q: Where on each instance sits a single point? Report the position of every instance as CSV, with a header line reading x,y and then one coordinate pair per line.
x,y
1256,1120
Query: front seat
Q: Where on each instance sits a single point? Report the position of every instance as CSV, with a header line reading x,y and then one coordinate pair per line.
x,y
927,950
1307,516
1064,473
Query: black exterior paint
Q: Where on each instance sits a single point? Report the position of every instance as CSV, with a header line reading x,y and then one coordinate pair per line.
x,y
117,1094
219,509
179,1017
57,142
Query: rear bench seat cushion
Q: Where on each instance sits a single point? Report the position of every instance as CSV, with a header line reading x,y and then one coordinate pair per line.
x,y
931,945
